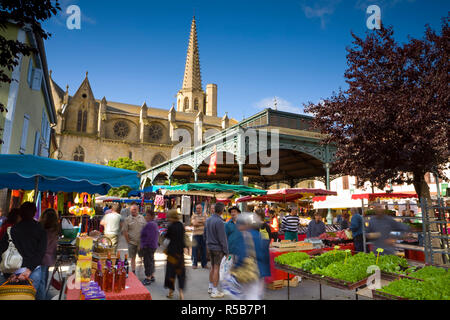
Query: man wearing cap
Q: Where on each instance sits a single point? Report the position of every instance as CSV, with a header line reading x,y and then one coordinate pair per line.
x,y
234,237
316,227
216,241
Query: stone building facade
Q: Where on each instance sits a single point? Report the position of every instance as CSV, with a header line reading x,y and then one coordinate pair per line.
x,y
97,130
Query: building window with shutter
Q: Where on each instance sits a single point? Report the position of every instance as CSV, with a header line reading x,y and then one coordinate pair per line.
x,y
30,72
345,184
23,141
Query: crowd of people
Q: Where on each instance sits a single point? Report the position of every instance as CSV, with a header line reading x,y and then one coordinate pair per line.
x,y
243,239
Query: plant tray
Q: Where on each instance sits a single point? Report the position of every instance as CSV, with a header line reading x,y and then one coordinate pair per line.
x,y
297,271
390,276
378,295
341,284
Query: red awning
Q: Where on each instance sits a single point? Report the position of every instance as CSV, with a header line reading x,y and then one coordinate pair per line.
x,y
374,196
319,198
287,195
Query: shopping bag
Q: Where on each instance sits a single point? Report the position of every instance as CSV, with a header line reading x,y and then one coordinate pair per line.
x,y
225,267
230,286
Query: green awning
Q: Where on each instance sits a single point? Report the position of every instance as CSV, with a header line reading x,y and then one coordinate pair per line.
x,y
217,190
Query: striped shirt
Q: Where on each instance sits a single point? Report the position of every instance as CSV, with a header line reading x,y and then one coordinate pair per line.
x,y
290,223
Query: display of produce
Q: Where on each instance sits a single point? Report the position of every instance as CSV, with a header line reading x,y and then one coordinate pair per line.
x,y
292,258
323,260
438,288
429,272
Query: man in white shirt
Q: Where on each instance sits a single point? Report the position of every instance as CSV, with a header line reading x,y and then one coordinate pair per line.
x,y
112,224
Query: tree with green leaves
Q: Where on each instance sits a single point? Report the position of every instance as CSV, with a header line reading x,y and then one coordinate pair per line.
x,y
23,13
129,164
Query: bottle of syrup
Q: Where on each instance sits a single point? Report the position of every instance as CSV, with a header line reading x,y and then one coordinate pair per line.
x,y
109,278
99,275
118,278
125,263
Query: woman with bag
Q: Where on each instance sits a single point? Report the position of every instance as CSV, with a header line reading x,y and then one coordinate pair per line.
x,y
175,268
49,221
252,264
30,240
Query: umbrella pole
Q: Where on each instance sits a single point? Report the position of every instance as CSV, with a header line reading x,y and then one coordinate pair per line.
x,y
36,188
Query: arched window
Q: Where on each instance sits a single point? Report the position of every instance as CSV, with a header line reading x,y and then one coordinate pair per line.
x,y
84,121
157,160
79,120
121,129
156,132
186,104
78,155
196,104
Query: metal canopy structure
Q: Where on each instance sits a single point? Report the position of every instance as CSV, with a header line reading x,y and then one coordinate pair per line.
x,y
300,152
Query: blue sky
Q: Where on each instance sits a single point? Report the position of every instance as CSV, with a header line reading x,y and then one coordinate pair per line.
x,y
253,50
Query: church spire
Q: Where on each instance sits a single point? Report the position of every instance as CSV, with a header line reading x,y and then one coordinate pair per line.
x,y
192,77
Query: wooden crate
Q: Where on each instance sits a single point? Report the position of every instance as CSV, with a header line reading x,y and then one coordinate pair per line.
x,y
275,285
292,283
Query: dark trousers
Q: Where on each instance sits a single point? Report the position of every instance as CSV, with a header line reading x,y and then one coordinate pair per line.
x,y
274,236
175,270
358,243
149,261
199,248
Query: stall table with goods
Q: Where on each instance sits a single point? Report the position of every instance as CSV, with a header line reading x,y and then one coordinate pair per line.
x,y
102,275
51,180
411,247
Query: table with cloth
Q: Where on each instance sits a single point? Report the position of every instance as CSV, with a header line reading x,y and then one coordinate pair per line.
x,y
134,290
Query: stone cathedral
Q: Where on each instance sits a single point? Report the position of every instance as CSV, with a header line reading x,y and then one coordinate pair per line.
x,y
96,131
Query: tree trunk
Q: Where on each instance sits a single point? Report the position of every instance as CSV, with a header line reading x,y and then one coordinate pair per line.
x,y
423,191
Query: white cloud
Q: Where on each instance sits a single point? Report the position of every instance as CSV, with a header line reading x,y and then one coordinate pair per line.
x,y
321,9
282,105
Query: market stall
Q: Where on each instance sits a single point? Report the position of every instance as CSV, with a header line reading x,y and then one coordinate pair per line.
x,y
278,277
411,246
82,180
346,270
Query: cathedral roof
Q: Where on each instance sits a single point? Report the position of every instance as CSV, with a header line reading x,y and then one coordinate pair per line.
x,y
192,77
